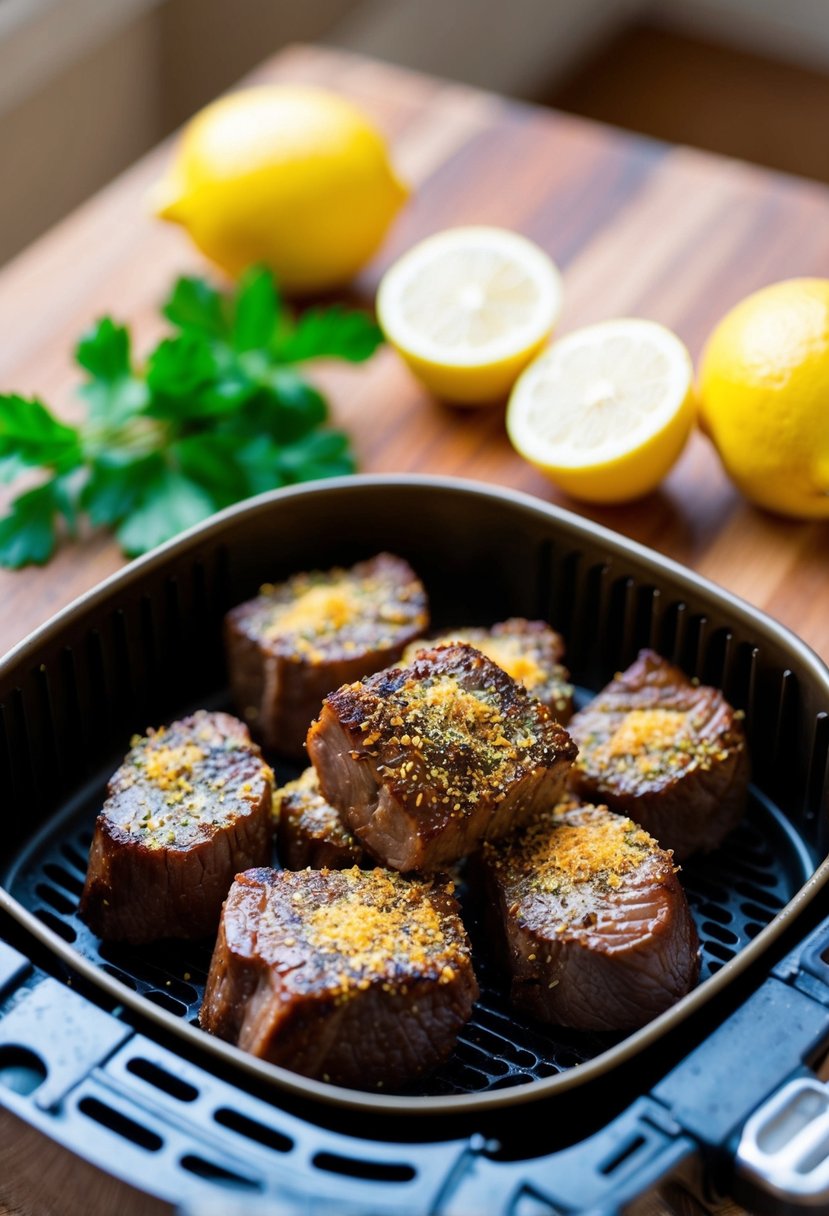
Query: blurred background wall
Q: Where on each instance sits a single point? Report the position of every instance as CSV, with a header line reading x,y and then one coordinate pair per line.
x,y
86,86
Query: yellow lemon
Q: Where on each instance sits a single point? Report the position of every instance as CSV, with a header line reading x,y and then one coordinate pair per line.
x,y
606,411
295,178
468,308
764,396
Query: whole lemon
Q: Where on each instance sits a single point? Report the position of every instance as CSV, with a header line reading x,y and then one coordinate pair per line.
x,y
764,396
292,177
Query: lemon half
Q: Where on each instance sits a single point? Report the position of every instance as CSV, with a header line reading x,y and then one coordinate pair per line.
x,y
606,411
468,309
295,178
764,396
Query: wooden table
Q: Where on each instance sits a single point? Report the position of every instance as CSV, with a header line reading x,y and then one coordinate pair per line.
x,y
639,228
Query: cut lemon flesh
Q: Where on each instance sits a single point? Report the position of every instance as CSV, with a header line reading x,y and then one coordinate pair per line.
x,y
606,411
468,308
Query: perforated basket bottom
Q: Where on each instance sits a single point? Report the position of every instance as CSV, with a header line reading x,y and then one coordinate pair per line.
x,y
733,893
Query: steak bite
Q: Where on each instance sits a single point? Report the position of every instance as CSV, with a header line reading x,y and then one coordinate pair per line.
x,y
425,762
596,927
309,832
299,640
188,808
360,978
666,751
529,651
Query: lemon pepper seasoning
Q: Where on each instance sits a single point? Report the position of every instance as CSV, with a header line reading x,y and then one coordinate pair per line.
x,y
651,743
667,750
188,809
457,751
178,777
325,613
528,651
300,638
445,720
559,851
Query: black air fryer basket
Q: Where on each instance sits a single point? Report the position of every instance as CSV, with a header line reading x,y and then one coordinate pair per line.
x,y
110,1094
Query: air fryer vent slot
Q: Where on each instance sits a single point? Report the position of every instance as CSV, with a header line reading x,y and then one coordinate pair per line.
x,y
220,1174
377,1171
623,1154
120,1124
163,1080
269,1137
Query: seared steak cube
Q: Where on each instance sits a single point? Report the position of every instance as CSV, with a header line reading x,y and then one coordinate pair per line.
x,y
188,808
425,762
309,831
597,929
357,977
297,641
529,651
669,753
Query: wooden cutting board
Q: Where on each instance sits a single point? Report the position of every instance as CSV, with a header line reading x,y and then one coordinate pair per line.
x,y
638,228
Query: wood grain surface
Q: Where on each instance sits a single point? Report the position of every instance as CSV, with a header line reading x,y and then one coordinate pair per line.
x,y
638,228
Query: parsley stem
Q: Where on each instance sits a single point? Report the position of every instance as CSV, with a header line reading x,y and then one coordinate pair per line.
x,y
136,437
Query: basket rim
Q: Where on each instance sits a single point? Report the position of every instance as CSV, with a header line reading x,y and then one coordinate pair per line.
x,y
574,526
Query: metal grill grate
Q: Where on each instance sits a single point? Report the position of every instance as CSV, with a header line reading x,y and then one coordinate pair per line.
x,y
733,894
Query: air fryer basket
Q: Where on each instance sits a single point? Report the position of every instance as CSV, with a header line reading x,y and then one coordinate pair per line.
x,y
146,646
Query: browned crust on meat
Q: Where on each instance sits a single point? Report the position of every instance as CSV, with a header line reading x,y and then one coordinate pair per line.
x,y
310,832
528,651
302,638
360,978
597,928
425,762
668,752
189,807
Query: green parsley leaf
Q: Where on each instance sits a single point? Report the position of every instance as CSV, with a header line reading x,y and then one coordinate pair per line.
x,y
259,461
330,333
65,497
191,378
227,393
29,433
113,393
256,312
110,404
289,409
194,305
115,489
298,396
209,461
104,351
180,366
168,503
27,533
323,454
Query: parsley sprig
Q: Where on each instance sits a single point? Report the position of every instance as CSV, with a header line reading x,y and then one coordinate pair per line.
x,y
219,412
